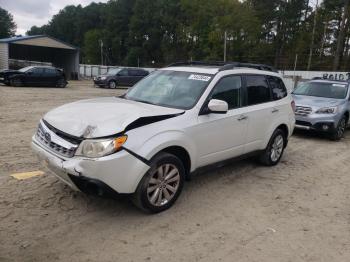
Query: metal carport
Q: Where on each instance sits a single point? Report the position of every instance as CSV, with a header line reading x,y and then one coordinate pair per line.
x,y
31,50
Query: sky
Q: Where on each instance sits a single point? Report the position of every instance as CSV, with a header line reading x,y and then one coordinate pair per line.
x,y
27,13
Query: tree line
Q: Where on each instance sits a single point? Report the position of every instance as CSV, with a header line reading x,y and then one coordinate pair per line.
x,y
288,34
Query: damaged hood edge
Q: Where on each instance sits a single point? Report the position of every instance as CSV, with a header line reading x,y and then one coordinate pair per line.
x,y
103,117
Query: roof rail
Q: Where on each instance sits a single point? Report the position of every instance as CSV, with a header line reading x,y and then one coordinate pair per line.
x,y
225,65
197,63
233,65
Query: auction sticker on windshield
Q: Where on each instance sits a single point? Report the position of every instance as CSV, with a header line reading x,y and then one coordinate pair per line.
x,y
199,78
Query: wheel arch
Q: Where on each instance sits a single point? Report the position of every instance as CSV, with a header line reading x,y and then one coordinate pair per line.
x,y
284,128
182,154
347,115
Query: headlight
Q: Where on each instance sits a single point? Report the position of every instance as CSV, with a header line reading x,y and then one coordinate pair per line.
x,y
327,110
100,147
103,77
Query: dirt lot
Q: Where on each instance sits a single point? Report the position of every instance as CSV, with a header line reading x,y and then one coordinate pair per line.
x,y
297,211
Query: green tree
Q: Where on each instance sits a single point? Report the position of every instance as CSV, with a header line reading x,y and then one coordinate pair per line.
x,y
137,32
92,53
7,25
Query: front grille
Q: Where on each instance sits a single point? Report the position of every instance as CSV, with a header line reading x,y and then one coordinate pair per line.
x,y
303,110
72,139
43,138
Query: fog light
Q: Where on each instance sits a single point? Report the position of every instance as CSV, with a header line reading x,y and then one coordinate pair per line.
x,y
325,127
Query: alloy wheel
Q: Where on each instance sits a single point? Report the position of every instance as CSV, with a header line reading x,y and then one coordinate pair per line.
x,y
277,148
341,128
163,185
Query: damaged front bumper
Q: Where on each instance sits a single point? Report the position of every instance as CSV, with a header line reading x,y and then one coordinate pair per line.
x,y
120,172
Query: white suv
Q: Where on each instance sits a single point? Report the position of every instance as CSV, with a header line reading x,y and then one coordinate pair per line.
x,y
175,121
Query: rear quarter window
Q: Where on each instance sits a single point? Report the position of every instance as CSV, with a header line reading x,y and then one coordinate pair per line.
x,y
278,88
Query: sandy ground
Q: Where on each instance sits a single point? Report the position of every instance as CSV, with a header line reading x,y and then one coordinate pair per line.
x,y
296,211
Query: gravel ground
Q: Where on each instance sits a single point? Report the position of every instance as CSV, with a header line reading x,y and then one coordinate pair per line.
x,y
296,211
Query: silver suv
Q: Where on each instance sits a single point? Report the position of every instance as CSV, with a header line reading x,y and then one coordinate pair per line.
x,y
323,105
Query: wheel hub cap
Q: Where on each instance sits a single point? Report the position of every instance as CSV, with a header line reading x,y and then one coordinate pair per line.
x,y
277,148
163,184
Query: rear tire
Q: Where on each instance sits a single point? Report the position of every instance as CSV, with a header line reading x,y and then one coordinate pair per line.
x,y
275,148
161,185
340,129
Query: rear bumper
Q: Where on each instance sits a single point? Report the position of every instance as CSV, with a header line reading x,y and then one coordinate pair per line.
x,y
120,172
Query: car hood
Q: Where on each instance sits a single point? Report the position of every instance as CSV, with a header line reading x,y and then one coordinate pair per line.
x,y
316,102
99,76
8,71
102,117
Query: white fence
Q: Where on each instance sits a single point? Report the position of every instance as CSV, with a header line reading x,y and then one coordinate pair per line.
x,y
89,71
291,78
313,74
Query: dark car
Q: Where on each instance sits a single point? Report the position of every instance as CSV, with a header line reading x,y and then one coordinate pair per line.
x,y
35,76
121,77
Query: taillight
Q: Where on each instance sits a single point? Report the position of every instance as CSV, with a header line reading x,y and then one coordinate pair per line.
x,y
293,105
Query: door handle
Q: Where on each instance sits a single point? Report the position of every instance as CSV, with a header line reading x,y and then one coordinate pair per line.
x,y
242,117
275,110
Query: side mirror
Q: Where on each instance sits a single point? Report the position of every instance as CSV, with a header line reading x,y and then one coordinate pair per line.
x,y
217,106
29,73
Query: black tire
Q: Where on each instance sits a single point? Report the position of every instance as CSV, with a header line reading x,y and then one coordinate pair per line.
x,y
144,193
61,83
267,158
16,82
340,129
112,84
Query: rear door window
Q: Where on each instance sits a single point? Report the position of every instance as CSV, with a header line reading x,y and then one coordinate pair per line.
x,y
257,89
143,73
37,71
278,88
50,72
133,72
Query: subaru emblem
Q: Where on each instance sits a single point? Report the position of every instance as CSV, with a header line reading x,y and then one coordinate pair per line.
x,y
47,137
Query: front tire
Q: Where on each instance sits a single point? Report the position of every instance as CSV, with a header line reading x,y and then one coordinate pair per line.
x,y
61,83
340,129
16,82
274,150
162,184
112,84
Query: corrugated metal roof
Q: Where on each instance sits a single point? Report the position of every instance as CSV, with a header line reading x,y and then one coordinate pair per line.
x,y
18,38
24,39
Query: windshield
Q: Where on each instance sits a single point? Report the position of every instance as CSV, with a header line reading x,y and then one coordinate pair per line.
x,y
170,88
113,72
25,69
328,90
